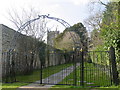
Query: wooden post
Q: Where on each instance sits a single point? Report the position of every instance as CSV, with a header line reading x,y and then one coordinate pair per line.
x,y
113,66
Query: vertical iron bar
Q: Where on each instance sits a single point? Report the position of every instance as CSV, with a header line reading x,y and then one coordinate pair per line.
x,y
64,74
74,68
75,71
110,69
94,61
82,68
41,73
73,65
101,71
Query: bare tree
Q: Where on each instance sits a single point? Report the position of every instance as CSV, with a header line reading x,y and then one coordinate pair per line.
x,y
29,38
94,21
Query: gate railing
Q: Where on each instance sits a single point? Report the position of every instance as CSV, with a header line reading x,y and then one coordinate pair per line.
x,y
77,58
111,67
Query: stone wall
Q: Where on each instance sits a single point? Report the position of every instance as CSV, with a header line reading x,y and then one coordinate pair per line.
x,y
7,36
24,55
21,56
54,56
50,37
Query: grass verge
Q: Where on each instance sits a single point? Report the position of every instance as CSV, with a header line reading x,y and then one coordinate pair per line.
x,y
26,79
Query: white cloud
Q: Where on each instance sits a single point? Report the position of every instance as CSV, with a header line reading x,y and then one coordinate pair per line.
x,y
78,2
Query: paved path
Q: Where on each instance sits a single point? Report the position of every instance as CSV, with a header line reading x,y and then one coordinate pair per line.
x,y
53,79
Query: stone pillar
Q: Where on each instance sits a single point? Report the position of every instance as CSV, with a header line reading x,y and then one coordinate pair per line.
x,y
113,66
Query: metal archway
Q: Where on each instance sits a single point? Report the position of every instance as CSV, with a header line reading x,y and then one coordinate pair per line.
x,y
61,21
13,54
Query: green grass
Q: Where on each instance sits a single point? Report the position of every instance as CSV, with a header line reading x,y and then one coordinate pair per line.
x,y
93,76
96,75
112,87
35,76
13,85
46,72
62,87
101,78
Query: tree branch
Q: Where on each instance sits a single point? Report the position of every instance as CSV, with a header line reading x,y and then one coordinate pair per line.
x,y
103,3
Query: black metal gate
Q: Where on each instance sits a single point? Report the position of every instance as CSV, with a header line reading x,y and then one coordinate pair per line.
x,y
61,65
95,69
90,69
79,68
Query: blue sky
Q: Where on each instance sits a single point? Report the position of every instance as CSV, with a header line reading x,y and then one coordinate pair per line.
x,y
72,11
